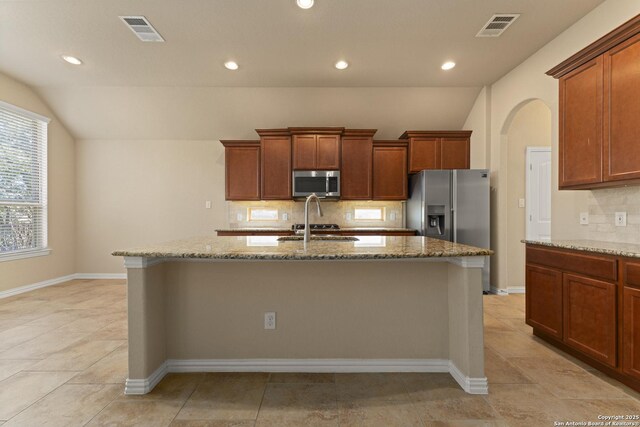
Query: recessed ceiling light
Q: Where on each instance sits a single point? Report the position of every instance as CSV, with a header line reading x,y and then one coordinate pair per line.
x,y
231,65
448,65
71,59
304,4
341,65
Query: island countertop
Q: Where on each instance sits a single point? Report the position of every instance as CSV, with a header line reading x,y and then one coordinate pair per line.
x,y
630,250
269,248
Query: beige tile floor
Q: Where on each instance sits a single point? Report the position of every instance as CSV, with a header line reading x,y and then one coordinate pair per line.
x,y
63,362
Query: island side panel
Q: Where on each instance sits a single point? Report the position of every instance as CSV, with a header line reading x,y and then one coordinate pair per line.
x,y
325,310
466,334
146,318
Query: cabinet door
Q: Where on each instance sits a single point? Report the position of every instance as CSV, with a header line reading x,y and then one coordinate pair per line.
x,y
304,152
544,300
276,168
328,152
424,153
590,317
389,173
455,153
580,145
631,332
357,163
622,111
242,173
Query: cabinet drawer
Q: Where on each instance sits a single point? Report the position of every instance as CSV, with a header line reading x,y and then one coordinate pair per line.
x,y
590,265
632,274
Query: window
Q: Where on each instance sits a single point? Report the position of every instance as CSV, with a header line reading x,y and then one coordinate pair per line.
x,y
23,183
369,214
262,214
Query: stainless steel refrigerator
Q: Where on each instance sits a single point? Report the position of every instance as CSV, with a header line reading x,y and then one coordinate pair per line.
x,y
452,205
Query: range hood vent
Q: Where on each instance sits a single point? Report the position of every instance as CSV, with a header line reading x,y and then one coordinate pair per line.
x,y
142,28
497,24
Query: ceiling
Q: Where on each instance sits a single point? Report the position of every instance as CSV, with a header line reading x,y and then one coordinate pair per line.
x,y
388,43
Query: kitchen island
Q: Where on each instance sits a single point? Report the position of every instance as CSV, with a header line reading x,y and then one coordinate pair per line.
x,y
378,304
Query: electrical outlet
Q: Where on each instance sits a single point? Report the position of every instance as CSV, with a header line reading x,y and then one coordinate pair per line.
x,y
207,204
239,217
392,216
521,203
285,216
349,215
584,218
270,320
621,219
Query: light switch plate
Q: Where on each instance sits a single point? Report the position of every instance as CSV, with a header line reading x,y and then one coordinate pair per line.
x,y
348,216
207,204
392,216
521,203
285,216
621,219
584,218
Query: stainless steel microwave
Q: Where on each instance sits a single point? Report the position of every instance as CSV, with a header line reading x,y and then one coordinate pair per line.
x,y
323,183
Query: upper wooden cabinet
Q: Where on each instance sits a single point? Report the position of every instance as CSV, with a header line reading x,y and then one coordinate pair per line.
x,y
438,149
581,125
599,110
275,164
242,170
390,170
316,148
622,111
356,172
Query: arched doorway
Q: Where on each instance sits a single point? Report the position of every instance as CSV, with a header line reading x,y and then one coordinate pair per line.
x,y
528,125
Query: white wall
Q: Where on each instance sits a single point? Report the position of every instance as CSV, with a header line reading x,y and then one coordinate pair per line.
x,y
61,197
526,82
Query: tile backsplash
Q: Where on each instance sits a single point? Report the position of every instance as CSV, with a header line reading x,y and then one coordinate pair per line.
x,y
603,204
335,212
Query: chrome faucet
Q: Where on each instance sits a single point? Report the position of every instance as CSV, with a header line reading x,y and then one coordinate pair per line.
x,y
307,231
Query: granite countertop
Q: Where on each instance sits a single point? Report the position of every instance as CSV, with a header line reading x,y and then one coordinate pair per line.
x,y
609,248
349,229
269,248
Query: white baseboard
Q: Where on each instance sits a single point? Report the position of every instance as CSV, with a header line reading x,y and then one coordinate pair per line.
x,y
101,276
27,288
146,385
508,291
470,385
34,286
309,365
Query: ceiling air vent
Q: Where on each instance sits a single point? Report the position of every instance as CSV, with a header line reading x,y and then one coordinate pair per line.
x,y
497,24
142,28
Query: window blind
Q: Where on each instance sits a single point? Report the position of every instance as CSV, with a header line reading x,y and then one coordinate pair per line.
x,y
23,181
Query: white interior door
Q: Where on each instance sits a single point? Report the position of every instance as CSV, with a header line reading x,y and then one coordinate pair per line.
x,y
538,178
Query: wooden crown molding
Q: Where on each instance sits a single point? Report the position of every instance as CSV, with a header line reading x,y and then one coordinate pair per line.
x,y
363,133
239,142
317,131
273,132
600,46
436,134
390,142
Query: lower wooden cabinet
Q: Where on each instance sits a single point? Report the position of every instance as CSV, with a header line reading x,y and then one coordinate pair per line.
x,y
590,317
544,299
588,305
631,332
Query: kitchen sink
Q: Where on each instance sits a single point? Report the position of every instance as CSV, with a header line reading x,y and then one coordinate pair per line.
x,y
316,238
